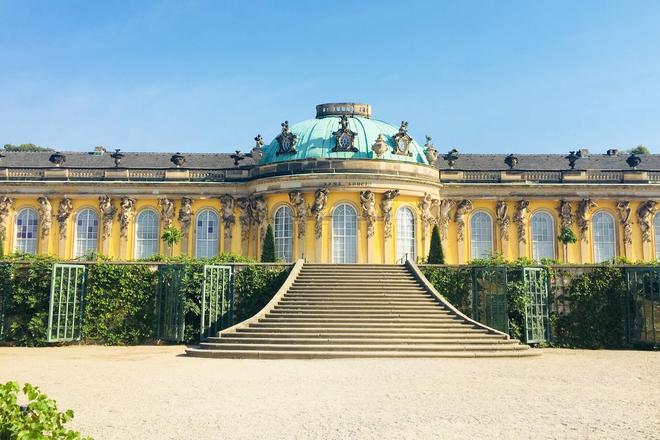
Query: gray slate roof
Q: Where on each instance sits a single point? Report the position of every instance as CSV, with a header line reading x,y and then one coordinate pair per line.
x,y
223,160
549,162
79,159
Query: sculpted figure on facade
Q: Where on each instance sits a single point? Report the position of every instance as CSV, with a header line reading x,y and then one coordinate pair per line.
x,y
126,206
318,208
45,216
297,199
520,218
503,220
463,207
566,217
444,214
426,208
185,215
623,206
63,213
386,207
167,211
227,207
645,214
107,214
259,212
6,205
244,216
368,204
584,209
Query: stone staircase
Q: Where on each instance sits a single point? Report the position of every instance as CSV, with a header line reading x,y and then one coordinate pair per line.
x,y
357,310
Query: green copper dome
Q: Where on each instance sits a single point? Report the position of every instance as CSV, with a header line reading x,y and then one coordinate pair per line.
x,y
343,131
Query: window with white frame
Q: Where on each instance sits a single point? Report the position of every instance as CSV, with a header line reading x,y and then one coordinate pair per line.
x,y
27,229
656,232
344,234
284,234
604,237
481,235
206,234
405,235
147,228
87,233
543,236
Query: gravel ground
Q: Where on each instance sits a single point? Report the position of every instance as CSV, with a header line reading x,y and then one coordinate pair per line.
x,y
155,393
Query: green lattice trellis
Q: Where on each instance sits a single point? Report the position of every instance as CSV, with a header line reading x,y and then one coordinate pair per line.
x,y
216,312
67,300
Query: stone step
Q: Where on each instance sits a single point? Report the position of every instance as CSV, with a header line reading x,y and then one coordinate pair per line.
x,y
344,320
335,334
359,292
330,298
320,354
514,346
288,323
379,308
326,340
387,315
362,330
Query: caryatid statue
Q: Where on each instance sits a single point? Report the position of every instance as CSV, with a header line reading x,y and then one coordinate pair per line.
x,y
45,216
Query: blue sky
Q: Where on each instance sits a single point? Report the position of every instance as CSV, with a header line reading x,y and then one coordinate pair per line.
x,y
482,76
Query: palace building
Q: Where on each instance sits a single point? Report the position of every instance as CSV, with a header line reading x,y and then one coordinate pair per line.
x,y
342,187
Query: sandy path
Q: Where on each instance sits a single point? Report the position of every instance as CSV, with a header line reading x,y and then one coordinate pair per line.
x,y
151,393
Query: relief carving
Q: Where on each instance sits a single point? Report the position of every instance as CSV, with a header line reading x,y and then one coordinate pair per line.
x,y
297,199
318,208
63,213
503,220
107,214
463,207
227,207
45,216
6,205
584,209
244,217
125,215
386,207
368,204
566,216
185,216
426,208
645,214
446,206
623,207
259,211
520,218
167,211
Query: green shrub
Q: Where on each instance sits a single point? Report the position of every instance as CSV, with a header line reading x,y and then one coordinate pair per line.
x,y
254,286
454,284
435,249
120,304
38,419
596,316
268,252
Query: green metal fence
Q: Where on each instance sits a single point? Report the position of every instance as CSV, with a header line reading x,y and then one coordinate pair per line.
x,y
643,305
536,306
170,303
67,300
216,313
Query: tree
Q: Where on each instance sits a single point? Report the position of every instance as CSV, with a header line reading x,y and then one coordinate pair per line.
x,y
171,236
566,236
268,252
436,255
640,149
26,148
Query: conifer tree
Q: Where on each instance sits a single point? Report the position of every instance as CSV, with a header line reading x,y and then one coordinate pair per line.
x,y
435,250
268,252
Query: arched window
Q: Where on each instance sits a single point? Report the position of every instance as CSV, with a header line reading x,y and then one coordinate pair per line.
x,y
604,237
26,231
405,234
146,234
284,234
206,234
87,233
656,231
481,235
344,234
543,236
